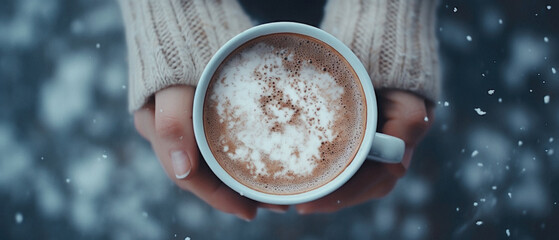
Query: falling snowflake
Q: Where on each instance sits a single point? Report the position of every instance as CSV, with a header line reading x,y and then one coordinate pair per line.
x,y
479,111
553,70
520,143
469,38
546,99
475,153
490,91
545,39
479,222
455,9
500,21
19,218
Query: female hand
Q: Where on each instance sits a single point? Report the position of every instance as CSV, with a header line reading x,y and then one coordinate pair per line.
x,y
401,114
166,122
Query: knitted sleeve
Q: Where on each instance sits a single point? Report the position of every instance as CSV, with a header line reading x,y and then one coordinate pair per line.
x,y
395,40
171,41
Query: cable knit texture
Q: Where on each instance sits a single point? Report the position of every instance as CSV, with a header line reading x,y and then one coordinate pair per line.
x,y
395,40
171,41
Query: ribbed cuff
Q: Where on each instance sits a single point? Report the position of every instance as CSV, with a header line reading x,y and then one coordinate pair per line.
x,y
171,41
395,40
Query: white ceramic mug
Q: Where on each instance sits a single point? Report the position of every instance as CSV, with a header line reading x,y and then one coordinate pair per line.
x,y
375,146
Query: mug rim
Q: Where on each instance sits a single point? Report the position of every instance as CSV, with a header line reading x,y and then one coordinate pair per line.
x,y
275,28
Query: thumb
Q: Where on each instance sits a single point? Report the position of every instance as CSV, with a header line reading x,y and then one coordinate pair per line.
x,y
174,133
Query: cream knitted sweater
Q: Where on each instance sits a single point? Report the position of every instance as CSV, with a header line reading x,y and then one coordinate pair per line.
x,y
171,41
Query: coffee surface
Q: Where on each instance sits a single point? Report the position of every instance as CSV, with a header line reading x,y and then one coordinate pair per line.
x,y
284,114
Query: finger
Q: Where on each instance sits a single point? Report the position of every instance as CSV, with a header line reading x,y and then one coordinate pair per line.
x,y
173,128
176,148
209,188
380,189
206,186
367,177
274,207
404,115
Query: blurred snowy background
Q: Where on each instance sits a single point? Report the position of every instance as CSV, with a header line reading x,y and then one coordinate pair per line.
x,y
72,166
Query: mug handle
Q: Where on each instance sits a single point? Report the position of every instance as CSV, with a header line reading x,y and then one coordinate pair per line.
x,y
387,149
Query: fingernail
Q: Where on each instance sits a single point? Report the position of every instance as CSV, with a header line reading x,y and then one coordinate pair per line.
x,y
274,208
278,210
302,211
181,164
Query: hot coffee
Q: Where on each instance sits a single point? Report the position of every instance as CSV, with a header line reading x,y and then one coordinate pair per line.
x,y
284,114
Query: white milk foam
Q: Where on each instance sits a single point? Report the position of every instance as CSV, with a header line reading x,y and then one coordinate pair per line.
x,y
284,114
275,131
